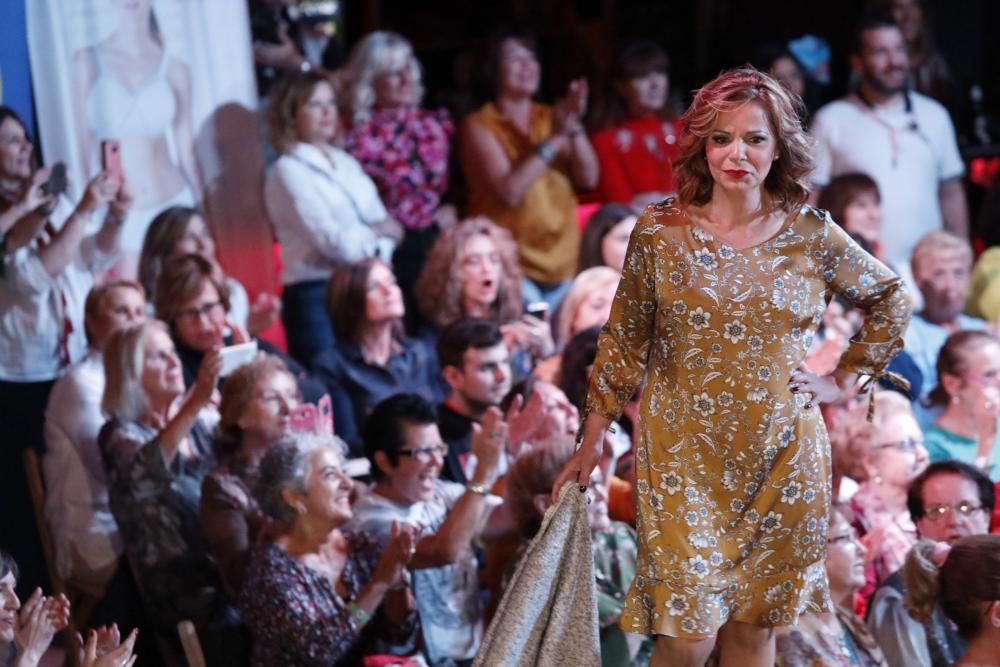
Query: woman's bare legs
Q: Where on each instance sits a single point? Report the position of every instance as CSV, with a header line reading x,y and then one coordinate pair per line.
x,y
680,652
740,645
745,645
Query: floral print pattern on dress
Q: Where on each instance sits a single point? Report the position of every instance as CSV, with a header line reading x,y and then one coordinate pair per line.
x,y
732,469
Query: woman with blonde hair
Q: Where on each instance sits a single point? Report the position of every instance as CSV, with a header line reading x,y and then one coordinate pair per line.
x,y
156,450
965,581
472,271
722,292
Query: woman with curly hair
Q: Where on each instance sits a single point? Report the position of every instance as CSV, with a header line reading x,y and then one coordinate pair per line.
x,y
473,271
722,292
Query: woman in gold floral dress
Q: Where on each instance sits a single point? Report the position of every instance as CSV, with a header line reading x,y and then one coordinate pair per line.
x,y
723,289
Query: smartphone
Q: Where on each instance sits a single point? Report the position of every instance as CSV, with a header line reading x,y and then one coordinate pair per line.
x,y
57,183
305,419
537,309
111,159
234,356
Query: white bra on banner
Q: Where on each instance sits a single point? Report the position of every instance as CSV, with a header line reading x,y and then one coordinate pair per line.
x,y
173,81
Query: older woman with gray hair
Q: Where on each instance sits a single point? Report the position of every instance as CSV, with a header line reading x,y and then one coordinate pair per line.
x,y
318,594
156,450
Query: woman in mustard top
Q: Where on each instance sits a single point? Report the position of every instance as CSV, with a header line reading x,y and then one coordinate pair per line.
x,y
522,161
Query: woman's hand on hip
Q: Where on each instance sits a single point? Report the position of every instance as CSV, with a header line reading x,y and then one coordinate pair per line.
x,y
817,388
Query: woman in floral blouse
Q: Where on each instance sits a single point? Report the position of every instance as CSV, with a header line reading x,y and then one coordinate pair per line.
x,y
404,149
722,292
319,596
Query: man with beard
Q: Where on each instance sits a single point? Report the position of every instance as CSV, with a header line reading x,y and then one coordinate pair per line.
x,y
902,139
941,264
948,501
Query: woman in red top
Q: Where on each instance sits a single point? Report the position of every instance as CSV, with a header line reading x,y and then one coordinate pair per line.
x,y
636,138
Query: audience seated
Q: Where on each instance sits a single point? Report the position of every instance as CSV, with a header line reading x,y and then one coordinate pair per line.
x,y
941,264
324,208
636,138
372,359
85,537
319,592
968,391
476,365
156,451
587,304
28,630
854,203
605,237
846,461
194,302
838,639
406,452
180,230
528,493
522,160
472,271
254,415
948,501
892,453
51,257
964,580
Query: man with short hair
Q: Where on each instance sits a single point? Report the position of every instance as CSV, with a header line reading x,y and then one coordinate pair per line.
x,y
406,452
475,363
902,139
941,264
948,501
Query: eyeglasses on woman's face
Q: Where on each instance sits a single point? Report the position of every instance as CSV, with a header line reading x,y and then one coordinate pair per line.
x,y
195,313
906,445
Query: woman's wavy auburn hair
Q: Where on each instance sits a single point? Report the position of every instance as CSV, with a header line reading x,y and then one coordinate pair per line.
x,y
439,289
237,393
728,92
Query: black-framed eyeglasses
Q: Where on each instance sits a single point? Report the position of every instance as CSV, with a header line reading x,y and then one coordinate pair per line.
x,y
425,454
906,445
842,538
940,511
195,313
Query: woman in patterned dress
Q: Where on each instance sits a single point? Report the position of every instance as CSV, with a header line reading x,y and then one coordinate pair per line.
x,y
720,299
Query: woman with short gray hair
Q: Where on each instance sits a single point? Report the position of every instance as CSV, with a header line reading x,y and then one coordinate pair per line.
x,y
320,594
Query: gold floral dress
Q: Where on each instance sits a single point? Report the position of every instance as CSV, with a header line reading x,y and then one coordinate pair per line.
x,y
732,470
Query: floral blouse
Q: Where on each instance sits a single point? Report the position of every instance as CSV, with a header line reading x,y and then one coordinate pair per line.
x,y
297,619
405,151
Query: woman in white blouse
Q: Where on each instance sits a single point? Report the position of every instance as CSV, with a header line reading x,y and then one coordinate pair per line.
x,y
324,208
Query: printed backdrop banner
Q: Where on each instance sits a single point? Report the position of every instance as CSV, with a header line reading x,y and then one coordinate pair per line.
x,y
173,82
15,74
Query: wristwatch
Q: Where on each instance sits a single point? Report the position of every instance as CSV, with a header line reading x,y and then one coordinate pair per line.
x,y
478,488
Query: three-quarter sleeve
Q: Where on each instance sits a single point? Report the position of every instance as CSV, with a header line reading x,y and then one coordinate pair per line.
x,y
624,344
878,292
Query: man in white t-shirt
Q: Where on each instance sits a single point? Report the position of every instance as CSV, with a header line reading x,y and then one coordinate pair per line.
x,y
902,139
406,451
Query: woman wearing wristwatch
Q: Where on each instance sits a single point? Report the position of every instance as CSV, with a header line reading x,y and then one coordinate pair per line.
x,y
522,161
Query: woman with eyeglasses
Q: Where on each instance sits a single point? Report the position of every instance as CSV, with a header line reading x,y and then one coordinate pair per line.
x,y
968,389
838,639
192,299
891,454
